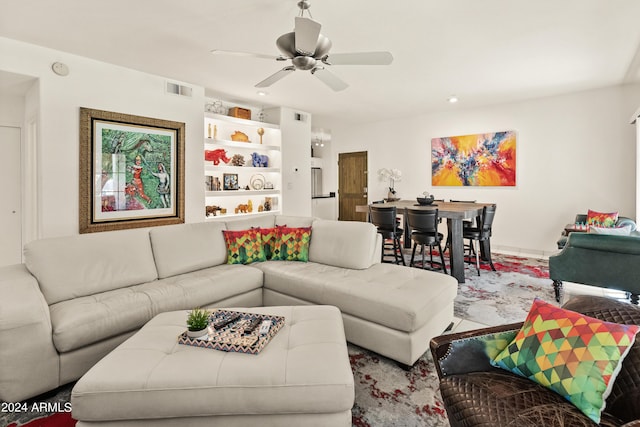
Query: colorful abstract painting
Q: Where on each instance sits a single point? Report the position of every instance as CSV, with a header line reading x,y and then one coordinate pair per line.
x,y
487,159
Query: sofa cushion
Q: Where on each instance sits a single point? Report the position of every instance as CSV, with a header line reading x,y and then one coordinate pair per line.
x,y
201,288
268,240
244,246
576,356
183,248
601,219
77,266
394,296
347,244
291,244
615,231
86,320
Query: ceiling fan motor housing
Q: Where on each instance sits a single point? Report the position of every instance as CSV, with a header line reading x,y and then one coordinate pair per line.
x,y
286,43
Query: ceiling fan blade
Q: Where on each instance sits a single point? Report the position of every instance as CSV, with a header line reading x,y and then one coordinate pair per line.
x,y
359,58
307,32
275,77
330,79
247,54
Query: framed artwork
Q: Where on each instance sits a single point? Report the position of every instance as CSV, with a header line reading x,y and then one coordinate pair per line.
x,y
131,171
487,159
230,181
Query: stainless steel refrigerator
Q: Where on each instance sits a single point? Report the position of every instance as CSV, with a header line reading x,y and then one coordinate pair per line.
x,y
316,182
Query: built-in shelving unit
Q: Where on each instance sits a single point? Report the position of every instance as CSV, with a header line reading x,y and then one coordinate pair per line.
x,y
250,189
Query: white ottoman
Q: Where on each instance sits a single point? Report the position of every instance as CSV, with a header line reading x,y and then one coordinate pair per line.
x,y
302,377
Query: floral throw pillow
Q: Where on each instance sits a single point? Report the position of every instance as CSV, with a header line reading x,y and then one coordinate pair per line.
x,y
292,244
244,246
576,356
600,219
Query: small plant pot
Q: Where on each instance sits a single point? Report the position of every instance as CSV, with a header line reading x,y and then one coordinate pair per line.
x,y
196,334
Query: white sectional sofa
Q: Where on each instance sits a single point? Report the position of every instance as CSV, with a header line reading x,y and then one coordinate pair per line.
x,y
76,298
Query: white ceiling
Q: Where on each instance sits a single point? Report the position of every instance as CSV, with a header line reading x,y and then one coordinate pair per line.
x,y
484,51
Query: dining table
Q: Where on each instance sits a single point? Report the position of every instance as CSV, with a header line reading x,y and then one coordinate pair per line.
x,y
455,213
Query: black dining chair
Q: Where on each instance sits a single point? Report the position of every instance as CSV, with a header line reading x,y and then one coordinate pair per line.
x,y
385,219
423,230
482,235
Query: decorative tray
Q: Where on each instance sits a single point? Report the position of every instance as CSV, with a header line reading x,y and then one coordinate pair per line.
x,y
232,337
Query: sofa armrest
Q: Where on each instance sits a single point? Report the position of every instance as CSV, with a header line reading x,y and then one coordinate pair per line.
x,y
470,351
634,423
29,362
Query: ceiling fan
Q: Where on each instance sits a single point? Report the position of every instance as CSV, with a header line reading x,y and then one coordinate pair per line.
x,y
308,50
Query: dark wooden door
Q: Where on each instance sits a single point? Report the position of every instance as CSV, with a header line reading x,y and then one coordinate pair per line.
x,y
352,185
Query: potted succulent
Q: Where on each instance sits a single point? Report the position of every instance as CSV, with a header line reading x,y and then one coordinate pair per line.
x,y
197,322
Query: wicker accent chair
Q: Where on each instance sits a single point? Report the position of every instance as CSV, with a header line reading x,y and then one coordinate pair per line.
x,y
477,394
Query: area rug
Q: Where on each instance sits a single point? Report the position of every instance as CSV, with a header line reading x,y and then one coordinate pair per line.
x,y
387,394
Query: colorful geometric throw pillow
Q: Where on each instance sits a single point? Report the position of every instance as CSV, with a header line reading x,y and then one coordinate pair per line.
x,y
292,244
269,236
600,219
576,356
244,246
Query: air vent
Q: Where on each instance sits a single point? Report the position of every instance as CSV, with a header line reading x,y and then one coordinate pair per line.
x,y
177,89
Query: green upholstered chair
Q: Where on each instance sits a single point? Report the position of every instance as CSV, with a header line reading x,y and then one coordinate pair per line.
x,y
606,261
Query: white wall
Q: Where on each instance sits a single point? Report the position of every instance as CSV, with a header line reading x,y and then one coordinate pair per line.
x,y
574,152
98,85
296,160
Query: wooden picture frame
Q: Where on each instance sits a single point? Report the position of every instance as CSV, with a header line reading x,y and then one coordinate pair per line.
x,y
131,171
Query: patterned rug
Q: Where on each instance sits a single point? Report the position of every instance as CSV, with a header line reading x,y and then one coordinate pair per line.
x,y
386,394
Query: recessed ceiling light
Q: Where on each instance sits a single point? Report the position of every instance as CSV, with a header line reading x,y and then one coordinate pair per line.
x,y
262,93
453,99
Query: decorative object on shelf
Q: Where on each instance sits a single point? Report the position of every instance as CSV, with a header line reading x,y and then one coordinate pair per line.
x,y
240,113
197,322
230,181
216,107
212,183
260,208
257,182
250,206
267,203
393,175
259,160
237,160
209,130
242,208
268,185
239,136
216,156
211,210
260,132
261,116
215,131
